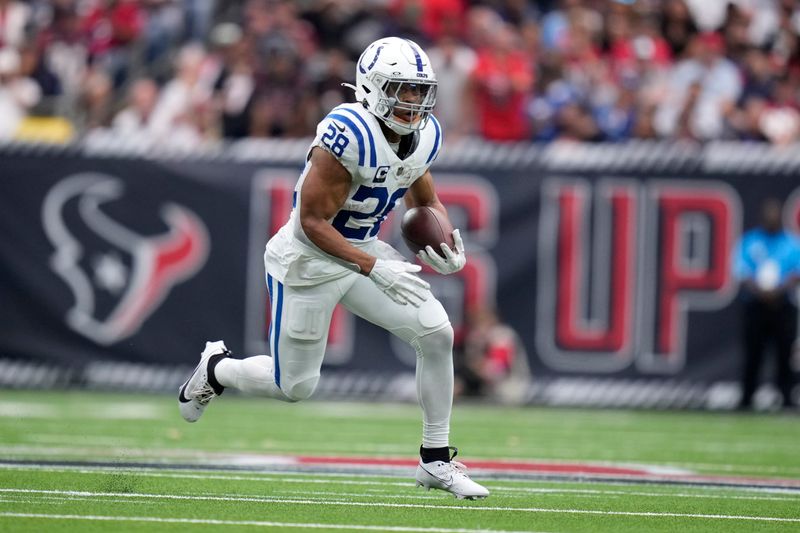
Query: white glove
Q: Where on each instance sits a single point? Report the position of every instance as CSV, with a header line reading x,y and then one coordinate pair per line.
x,y
451,262
395,279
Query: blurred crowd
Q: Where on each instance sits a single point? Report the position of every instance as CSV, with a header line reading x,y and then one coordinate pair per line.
x,y
189,71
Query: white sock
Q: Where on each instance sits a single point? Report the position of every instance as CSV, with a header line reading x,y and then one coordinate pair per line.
x,y
253,375
435,385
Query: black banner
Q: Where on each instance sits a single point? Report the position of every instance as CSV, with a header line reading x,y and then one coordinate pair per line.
x,y
607,263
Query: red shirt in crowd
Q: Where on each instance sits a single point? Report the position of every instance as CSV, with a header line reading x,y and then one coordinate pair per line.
x,y
111,27
503,82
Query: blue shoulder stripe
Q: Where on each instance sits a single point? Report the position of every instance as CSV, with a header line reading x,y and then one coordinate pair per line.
x,y
436,143
360,138
373,156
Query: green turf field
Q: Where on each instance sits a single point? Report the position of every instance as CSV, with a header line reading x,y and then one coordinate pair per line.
x,y
69,463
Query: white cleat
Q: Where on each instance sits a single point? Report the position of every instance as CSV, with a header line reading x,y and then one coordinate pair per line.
x,y
451,477
194,395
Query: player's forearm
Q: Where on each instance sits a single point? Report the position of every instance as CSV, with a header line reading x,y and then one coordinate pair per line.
x,y
330,241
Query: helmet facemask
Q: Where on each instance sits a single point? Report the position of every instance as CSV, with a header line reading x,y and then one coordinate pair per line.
x,y
405,105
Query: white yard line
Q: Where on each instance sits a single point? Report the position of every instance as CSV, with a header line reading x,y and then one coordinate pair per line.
x,y
66,499
95,440
307,501
382,494
109,453
11,409
251,523
335,477
722,496
105,411
761,469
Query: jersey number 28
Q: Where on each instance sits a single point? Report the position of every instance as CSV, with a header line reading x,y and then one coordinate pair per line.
x,y
385,204
339,143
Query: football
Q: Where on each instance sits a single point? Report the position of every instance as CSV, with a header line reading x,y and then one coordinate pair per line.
x,y
423,226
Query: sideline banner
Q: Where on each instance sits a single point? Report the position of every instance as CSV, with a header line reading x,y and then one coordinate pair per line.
x,y
610,262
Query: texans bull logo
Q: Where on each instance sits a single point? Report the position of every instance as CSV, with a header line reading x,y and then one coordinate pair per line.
x,y
118,277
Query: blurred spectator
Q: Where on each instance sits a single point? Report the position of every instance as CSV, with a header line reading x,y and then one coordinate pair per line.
x,y
555,24
278,30
758,74
14,20
780,121
495,363
616,122
134,119
453,63
66,52
500,84
767,264
235,85
581,57
709,16
345,24
759,84
585,70
32,66
17,93
326,75
279,101
735,32
112,27
95,103
762,18
164,27
575,123
181,99
430,17
198,18
545,109
747,120
677,26
703,90
639,49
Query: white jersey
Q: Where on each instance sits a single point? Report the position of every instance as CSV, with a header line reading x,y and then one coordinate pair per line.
x,y
380,178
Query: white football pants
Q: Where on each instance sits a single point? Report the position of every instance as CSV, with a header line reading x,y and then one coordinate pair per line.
x,y
301,317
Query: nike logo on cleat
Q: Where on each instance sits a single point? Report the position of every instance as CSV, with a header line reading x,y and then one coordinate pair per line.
x,y
447,482
181,397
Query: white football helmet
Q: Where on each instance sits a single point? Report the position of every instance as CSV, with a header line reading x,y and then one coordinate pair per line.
x,y
396,83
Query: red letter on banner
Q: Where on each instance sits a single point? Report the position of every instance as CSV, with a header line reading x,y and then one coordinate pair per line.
x,y
587,268
696,236
573,332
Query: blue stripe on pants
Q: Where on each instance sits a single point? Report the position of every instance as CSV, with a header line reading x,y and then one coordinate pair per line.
x,y
275,326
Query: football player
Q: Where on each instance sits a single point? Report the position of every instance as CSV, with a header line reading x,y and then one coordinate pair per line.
x,y
365,158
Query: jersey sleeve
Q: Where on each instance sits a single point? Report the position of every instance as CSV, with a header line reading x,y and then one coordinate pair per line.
x,y
339,134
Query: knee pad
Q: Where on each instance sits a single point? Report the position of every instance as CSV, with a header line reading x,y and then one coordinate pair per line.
x,y
300,390
436,343
417,322
431,314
